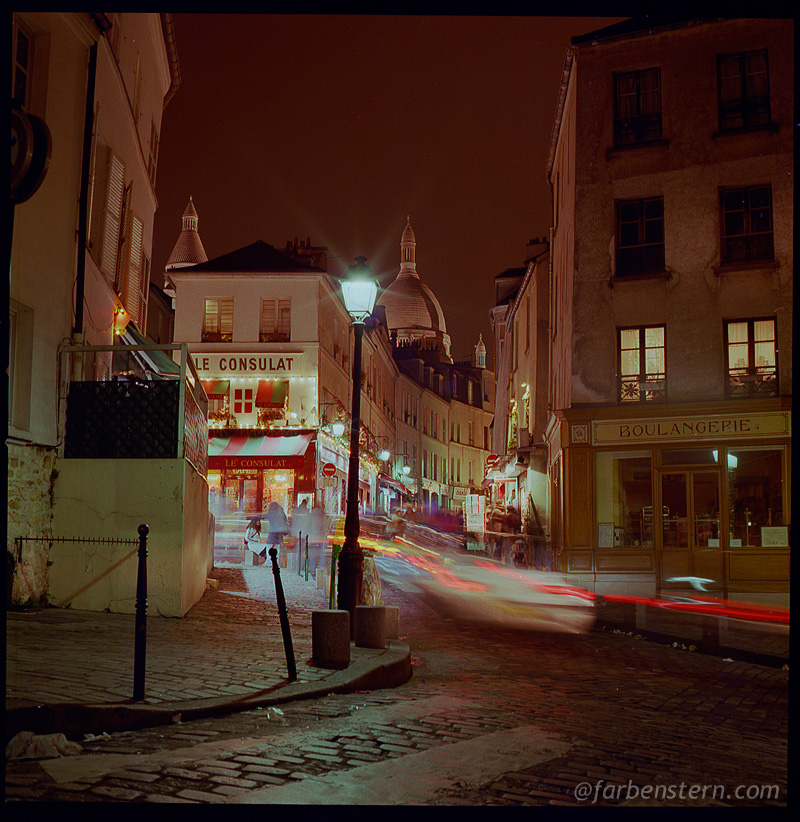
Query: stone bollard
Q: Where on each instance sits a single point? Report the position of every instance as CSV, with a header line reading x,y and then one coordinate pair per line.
x,y
330,638
392,621
370,626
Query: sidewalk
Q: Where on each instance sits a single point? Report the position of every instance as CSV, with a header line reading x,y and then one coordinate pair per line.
x,y
72,671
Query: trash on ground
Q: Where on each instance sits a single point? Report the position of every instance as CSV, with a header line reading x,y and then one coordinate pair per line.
x,y
28,745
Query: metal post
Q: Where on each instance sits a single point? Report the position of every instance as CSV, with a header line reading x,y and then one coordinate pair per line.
x,y
306,563
352,559
140,637
334,556
299,553
284,617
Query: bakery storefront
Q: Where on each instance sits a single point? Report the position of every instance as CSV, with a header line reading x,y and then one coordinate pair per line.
x,y
691,498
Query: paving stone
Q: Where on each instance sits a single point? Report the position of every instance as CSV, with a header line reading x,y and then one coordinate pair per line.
x,y
200,796
120,794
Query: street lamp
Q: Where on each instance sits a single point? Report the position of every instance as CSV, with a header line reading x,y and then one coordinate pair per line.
x,y
359,290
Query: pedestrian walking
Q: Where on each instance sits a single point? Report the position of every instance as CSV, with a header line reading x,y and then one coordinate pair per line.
x,y
494,531
316,537
511,525
300,519
278,526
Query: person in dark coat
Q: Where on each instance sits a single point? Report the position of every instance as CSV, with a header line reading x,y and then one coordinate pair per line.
x,y
278,526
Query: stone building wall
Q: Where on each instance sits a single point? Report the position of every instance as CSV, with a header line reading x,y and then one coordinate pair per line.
x,y
31,473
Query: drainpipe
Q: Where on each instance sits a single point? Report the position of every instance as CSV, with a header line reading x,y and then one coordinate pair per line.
x,y
78,336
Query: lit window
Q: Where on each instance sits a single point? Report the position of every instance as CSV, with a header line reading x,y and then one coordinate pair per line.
x,y
637,115
640,236
642,369
218,319
752,358
276,321
746,217
743,89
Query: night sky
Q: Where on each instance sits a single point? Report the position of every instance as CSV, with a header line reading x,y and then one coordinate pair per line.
x,y
335,127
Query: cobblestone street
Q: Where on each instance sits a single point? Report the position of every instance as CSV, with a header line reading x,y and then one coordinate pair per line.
x,y
488,718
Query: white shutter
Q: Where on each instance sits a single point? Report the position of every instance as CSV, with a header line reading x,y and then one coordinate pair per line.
x,y
115,192
133,285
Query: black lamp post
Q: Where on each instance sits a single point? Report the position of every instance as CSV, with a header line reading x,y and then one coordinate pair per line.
x,y
359,290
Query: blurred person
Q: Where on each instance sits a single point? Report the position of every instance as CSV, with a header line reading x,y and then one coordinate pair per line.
x,y
511,526
300,519
252,537
316,537
278,527
494,530
396,524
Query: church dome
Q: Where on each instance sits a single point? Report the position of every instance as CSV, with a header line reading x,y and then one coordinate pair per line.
x,y
412,310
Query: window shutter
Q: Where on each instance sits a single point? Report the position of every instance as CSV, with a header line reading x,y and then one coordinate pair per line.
x,y
112,218
133,283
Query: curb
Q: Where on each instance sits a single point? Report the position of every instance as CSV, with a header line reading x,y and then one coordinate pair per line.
x,y
388,670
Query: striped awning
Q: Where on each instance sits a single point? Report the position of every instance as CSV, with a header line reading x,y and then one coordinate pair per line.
x,y
216,388
271,393
265,446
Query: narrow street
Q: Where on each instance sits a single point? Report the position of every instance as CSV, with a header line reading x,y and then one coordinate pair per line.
x,y
488,718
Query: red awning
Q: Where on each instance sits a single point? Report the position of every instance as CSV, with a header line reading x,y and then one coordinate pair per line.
x,y
271,393
216,389
241,451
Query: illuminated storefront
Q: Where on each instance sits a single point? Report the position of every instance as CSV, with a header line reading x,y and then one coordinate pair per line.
x,y
659,504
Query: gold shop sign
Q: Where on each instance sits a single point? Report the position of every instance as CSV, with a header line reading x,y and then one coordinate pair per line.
x,y
671,429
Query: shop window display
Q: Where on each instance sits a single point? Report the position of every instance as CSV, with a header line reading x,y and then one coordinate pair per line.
x,y
624,499
755,498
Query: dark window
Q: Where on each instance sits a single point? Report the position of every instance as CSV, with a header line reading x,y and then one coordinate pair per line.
x,y
642,368
746,230
752,358
743,89
637,115
640,236
21,67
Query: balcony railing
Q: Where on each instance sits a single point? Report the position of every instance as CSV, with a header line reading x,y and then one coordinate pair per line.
x,y
152,412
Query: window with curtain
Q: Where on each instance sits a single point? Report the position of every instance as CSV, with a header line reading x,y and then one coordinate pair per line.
x,y
642,364
743,85
752,358
276,321
637,113
218,319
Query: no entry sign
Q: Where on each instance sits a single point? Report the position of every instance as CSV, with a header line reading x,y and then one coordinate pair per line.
x,y
491,460
328,469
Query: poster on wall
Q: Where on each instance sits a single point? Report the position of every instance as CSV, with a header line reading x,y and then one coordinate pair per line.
x,y
474,509
605,534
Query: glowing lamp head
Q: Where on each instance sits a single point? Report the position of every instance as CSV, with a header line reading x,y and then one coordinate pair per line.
x,y
337,428
359,290
384,455
406,469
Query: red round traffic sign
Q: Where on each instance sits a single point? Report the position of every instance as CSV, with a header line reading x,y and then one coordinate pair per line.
x,y
328,469
491,460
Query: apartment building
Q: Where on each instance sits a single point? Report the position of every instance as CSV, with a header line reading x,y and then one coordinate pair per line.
x,y
669,440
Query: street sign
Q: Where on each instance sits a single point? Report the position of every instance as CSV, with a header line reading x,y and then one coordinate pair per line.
x,y
492,460
328,469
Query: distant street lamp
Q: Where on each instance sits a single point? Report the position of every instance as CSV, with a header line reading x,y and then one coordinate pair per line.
x,y
359,290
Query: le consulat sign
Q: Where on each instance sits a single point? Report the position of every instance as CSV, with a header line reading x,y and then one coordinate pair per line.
x,y
671,429
248,364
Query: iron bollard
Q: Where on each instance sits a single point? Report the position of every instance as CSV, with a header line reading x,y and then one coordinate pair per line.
x,y
284,617
140,636
306,562
299,553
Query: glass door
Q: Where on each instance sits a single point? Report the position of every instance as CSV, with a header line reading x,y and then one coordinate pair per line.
x,y
691,554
